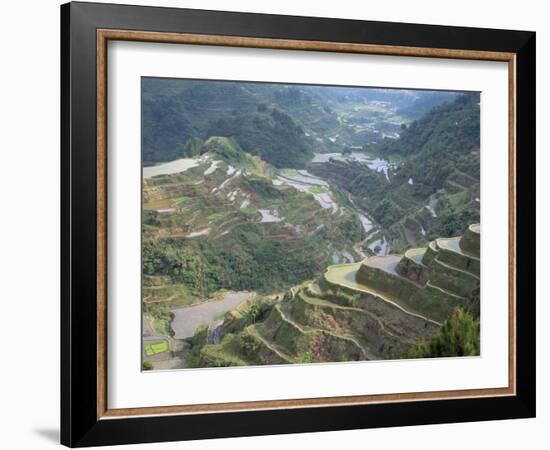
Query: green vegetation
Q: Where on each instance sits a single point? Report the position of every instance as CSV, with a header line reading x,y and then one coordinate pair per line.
x,y
242,217
154,348
429,302
161,317
385,307
245,259
178,115
179,199
424,103
226,148
222,355
249,314
197,342
147,365
317,190
459,336
470,243
452,128
431,282
232,248
271,120
438,167
272,135
312,324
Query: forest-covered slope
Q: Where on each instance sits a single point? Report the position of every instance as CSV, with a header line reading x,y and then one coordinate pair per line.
x,y
181,111
283,124
433,187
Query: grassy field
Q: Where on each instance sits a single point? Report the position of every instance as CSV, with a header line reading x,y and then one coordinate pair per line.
x,y
155,348
317,190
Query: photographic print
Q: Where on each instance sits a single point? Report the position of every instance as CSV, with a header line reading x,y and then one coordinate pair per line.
x,y
300,208
297,224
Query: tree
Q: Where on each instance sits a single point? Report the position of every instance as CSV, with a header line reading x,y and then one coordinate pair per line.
x,y
147,365
459,336
253,311
248,345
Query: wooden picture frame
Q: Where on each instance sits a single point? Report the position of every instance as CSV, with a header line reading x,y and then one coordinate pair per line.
x,y
86,418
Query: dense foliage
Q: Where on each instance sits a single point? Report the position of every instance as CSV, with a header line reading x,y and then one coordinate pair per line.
x,y
177,112
271,134
459,336
451,129
242,261
245,259
441,147
266,119
162,316
426,102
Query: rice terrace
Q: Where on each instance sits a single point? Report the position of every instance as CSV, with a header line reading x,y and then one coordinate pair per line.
x,y
297,224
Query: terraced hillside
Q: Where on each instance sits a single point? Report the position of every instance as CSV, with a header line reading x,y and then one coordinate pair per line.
x,y
431,281
315,324
228,220
293,224
376,309
431,185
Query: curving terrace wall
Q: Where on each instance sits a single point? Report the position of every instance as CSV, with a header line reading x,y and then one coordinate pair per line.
x,y
470,241
412,270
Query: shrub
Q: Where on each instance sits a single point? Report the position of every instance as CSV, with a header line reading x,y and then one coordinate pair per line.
x,y
459,336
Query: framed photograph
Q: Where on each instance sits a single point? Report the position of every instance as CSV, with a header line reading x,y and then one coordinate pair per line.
x,y
276,224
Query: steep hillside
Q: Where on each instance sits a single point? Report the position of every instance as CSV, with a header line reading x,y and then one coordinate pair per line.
x,y
425,102
227,220
185,109
432,185
383,308
430,280
283,124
